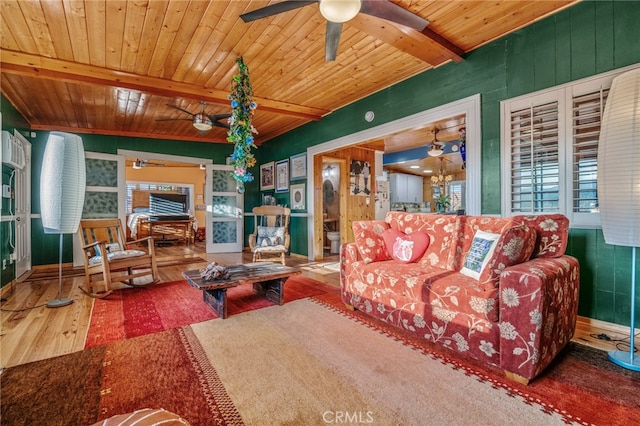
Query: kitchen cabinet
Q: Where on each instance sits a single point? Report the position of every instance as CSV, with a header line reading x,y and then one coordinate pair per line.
x,y
405,188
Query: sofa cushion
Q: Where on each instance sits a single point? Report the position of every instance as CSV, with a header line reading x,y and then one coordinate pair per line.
x,y
405,248
514,246
368,238
553,234
441,229
480,253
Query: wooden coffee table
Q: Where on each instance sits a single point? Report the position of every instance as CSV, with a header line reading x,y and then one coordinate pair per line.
x,y
268,279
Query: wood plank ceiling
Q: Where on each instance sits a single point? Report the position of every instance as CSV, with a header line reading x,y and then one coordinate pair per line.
x,y
111,67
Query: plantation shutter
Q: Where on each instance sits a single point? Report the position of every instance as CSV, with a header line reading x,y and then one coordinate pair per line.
x,y
587,112
534,159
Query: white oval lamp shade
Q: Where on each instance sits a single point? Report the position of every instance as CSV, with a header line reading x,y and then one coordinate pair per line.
x,y
62,183
619,162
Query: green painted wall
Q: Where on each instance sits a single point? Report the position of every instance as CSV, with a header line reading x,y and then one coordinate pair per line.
x,y
587,39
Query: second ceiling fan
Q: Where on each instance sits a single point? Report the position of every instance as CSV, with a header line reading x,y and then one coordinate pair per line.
x,y
338,11
201,120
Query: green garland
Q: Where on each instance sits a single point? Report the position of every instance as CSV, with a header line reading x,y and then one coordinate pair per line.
x,y
241,131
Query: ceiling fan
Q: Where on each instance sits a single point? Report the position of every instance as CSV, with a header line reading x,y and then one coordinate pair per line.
x,y
138,164
437,148
201,120
338,11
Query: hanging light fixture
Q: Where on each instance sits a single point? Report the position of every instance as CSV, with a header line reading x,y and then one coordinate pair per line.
x,y
339,10
435,150
441,178
137,164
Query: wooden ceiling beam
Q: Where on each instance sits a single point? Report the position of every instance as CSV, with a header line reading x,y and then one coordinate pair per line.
x,y
425,45
109,132
37,66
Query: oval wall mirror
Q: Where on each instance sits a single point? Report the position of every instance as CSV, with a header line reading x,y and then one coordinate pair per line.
x,y
327,192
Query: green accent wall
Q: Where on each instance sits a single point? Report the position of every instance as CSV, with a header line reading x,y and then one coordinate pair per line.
x,y
584,40
587,39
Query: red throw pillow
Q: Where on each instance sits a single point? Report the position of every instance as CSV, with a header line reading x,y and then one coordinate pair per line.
x,y
405,248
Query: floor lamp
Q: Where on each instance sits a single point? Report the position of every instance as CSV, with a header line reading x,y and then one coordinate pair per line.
x,y
62,188
619,184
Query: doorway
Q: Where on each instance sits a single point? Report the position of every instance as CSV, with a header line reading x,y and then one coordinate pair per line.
x,y
329,204
469,107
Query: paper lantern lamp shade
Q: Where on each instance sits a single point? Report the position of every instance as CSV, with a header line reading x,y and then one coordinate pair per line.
x,y
619,162
62,183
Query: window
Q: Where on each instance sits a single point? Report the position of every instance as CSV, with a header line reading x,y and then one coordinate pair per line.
x,y
550,150
456,192
180,188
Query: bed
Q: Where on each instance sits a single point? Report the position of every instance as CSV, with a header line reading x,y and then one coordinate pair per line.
x,y
163,215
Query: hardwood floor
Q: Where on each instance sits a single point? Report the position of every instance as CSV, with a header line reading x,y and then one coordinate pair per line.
x,y
29,331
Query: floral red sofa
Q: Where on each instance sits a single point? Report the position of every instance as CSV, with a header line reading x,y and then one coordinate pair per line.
x,y
517,312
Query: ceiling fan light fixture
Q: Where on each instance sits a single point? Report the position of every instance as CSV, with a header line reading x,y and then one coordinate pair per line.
x,y
137,164
435,150
339,11
202,122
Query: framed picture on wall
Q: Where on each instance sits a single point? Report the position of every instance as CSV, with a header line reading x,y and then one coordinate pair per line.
x,y
299,166
282,176
297,197
267,176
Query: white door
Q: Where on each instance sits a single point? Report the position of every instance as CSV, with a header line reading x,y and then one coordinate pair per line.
x,y
22,206
224,215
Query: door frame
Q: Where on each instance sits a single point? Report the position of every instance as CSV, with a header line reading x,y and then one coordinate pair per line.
x,y
318,205
470,106
22,250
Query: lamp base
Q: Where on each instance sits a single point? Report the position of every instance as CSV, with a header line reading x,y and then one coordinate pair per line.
x,y
58,303
623,359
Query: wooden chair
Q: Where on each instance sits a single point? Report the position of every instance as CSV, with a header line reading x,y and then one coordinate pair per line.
x,y
110,258
270,238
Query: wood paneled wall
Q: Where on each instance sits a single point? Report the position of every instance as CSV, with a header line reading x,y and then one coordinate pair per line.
x,y
352,207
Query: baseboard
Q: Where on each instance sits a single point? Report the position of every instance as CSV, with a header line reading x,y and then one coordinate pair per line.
x,y
609,326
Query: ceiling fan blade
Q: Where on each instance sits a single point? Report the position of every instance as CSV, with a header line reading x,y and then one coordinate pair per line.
x,y
180,109
274,9
215,117
394,13
215,120
332,40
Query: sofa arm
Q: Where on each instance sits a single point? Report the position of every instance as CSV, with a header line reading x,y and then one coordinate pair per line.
x,y
349,254
538,312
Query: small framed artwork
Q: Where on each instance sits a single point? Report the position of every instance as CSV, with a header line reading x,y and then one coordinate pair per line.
x,y
268,199
299,166
267,178
282,176
297,197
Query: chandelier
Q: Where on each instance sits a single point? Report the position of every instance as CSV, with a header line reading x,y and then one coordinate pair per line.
x,y
441,178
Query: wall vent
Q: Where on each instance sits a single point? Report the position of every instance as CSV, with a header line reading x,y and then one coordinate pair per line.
x,y
12,150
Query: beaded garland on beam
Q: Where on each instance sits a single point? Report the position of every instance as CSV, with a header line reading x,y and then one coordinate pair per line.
x,y
241,130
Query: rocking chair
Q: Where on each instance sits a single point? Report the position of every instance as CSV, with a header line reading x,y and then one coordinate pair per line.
x,y
270,238
110,258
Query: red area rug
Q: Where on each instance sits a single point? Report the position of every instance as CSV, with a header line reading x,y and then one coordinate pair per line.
x,y
83,387
133,312
581,384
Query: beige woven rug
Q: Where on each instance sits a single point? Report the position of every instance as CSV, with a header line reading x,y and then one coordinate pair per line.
x,y
304,364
